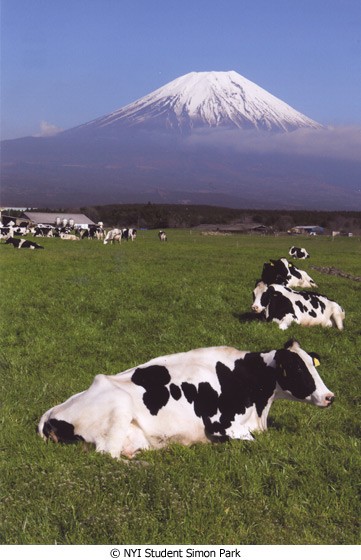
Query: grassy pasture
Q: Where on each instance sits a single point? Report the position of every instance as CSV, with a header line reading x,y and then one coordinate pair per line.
x,y
81,308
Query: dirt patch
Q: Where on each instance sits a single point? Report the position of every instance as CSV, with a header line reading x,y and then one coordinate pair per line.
x,y
336,272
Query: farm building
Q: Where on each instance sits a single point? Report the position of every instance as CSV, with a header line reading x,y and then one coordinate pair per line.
x,y
318,230
58,218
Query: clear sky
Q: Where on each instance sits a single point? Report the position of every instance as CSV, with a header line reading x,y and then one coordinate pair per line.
x,y
65,62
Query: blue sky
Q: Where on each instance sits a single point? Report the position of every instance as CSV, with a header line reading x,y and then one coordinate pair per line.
x,y
65,62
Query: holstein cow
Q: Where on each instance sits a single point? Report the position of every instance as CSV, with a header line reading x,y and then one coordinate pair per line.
x,y
69,237
130,233
298,253
162,236
285,306
112,236
283,272
22,244
209,394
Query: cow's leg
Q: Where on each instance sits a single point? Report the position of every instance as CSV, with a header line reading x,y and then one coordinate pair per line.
x,y
337,320
285,322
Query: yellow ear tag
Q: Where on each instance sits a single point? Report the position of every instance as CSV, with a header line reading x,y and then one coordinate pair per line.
x,y
272,264
316,362
284,373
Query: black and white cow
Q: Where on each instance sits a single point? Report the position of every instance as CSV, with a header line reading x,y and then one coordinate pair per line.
x,y
112,236
285,306
298,253
129,234
43,231
92,231
283,272
6,232
162,236
22,243
208,394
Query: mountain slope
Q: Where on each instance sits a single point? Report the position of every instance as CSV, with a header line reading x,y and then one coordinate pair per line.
x,y
204,99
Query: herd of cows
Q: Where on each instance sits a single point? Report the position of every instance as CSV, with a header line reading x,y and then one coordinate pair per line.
x,y
11,234
208,394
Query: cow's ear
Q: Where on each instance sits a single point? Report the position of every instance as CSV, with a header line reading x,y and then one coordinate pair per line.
x,y
315,359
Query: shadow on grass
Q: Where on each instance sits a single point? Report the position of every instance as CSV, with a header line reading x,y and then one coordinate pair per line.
x,y
249,316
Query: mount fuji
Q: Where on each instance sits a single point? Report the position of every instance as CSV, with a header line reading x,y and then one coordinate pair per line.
x,y
204,99
204,138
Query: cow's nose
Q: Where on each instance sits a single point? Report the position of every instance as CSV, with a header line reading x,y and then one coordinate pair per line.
x,y
255,308
329,399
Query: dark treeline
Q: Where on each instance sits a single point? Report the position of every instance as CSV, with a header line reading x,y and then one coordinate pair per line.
x,y
164,216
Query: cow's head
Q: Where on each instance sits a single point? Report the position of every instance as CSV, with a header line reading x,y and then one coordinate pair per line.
x,y
298,378
261,296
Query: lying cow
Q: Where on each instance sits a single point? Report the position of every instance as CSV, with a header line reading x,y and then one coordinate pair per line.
x,y
283,272
298,253
22,244
285,306
69,237
209,394
162,236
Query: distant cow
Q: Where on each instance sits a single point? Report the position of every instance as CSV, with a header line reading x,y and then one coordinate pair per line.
x,y
43,231
69,237
283,272
93,231
22,243
112,236
129,234
209,394
298,253
285,306
162,236
6,232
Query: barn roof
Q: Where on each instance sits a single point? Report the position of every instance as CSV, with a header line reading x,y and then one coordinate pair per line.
x,y
50,217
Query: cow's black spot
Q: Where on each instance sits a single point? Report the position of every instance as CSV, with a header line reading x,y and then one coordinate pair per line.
x,y
175,392
279,306
312,313
61,431
203,397
251,382
154,380
300,305
294,271
293,374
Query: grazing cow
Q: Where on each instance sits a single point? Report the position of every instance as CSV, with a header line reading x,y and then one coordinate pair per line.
x,y
22,244
21,230
69,236
6,232
93,231
162,236
286,273
285,306
209,394
298,253
112,236
42,231
129,233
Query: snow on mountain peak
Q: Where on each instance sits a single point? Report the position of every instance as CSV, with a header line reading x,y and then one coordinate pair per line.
x,y
207,99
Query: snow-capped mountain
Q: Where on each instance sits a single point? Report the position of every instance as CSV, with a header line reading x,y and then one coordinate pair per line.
x,y
205,99
205,138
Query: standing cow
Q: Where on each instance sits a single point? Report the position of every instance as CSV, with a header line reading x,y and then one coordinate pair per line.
x,y
298,253
204,395
162,236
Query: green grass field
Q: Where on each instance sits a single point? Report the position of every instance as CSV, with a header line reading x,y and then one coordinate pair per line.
x,y
77,309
